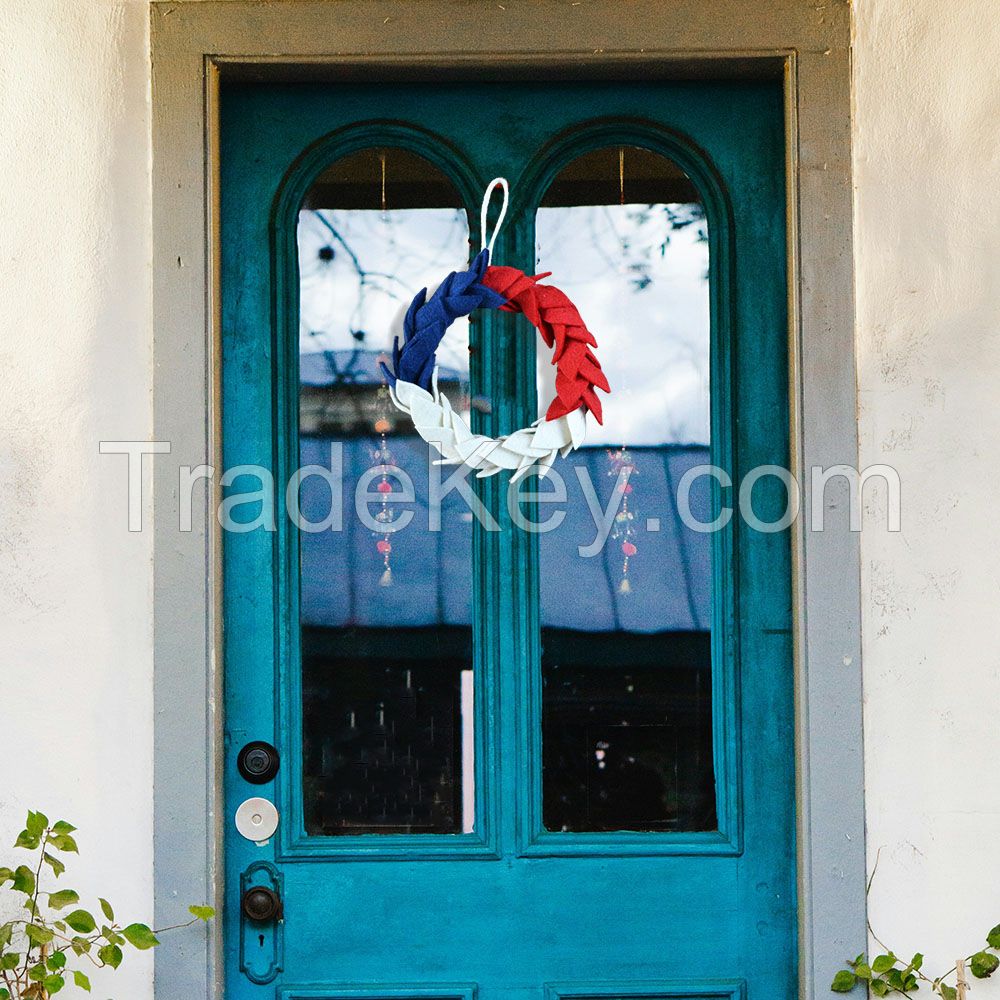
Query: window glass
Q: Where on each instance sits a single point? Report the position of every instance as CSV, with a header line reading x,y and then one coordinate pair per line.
x,y
626,627
387,682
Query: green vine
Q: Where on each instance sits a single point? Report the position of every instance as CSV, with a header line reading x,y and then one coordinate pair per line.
x,y
887,974
41,951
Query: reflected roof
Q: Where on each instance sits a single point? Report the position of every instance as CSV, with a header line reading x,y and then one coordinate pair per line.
x,y
669,576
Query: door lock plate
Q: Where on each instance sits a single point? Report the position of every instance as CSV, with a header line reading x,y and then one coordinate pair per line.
x,y
262,926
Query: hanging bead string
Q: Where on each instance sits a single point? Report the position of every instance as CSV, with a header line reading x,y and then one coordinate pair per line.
x,y
623,529
621,460
382,460
382,456
622,239
383,201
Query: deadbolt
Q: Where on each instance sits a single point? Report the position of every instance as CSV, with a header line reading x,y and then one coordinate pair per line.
x,y
258,762
261,905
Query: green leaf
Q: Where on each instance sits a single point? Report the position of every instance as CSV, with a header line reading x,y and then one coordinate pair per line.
x,y
36,823
111,955
140,936
883,963
54,863
37,972
202,912
82,981
993,938
64,842
110,936
106,909
57,900
27,841
862,971
6,875
53,984
80,945
843,982
948,992
63,827
24,880
6,931
55,961
982,965
10,961
917,961
38,934
4,994
82,921
879,987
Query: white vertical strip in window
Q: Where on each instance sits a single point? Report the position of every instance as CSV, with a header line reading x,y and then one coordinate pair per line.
x,y
468,752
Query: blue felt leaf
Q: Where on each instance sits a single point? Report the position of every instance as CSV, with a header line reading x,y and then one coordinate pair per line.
x,y
427,321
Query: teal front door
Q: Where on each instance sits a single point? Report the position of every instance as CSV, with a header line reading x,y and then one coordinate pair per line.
x,y
508,762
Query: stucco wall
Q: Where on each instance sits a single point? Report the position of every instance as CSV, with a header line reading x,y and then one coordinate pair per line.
x,y
927,161
75,368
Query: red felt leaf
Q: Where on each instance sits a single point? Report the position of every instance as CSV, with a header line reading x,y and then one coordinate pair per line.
x,y
559,323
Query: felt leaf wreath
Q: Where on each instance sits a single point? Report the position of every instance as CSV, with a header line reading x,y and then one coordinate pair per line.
x,y
413,378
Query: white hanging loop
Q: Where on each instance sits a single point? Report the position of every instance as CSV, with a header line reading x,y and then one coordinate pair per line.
x,y
500,182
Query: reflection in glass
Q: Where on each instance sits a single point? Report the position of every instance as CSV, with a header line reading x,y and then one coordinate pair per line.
x,y
626,653
387,694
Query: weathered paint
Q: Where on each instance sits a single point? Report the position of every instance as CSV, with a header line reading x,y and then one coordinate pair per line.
x,y
75,368
514,907
927,150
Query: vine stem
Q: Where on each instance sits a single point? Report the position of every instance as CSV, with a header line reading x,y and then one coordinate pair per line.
x,y
883,945
34,899
176,927
962,985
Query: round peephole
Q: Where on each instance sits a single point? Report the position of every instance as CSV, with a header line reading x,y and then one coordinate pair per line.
x,y
258,762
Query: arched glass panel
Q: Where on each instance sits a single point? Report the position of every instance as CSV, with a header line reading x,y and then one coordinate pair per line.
x,y
387,688
626,655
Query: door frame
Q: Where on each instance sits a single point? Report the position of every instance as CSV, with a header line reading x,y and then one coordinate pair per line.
x,y
195,44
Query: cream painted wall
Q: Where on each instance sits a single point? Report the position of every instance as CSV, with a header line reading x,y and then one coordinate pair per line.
x,y
927,162
75,366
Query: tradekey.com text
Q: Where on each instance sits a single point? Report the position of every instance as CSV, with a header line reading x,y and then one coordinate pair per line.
x,y
767,498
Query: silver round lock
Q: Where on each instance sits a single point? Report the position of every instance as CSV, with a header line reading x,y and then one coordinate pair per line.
x,y
257,819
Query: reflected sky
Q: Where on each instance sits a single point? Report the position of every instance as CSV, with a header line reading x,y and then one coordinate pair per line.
x,y
641,286
359,271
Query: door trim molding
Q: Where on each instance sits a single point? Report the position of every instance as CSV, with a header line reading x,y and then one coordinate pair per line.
x,y
351,991
194,44
714,989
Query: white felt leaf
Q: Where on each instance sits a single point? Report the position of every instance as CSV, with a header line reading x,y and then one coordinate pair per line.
x,y
576,421
549,434
530,447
